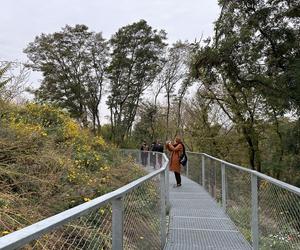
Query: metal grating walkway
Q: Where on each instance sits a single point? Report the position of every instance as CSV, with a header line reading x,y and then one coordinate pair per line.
x,y
198,222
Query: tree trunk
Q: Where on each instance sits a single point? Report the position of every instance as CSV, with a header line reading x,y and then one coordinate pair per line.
x,y
98,122
168,114
254,154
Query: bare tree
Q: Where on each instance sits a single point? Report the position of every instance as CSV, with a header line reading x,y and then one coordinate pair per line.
x,y
15,80
172,73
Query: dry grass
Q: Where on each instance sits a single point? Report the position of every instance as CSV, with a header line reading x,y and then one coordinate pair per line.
x,y
47,166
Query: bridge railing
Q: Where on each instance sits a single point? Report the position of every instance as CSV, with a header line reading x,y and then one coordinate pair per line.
x,y
265,210
132,217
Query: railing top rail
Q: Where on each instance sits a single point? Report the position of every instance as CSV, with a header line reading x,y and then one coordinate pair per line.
x,y
279,183
23,236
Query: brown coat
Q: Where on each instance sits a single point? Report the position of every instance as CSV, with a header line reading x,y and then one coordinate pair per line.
x,y
175,154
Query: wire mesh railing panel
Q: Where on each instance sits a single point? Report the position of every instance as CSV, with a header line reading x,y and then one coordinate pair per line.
x,y
218,182
207,171
194,167
91,231
142,217
213,179
135,155
279,217
238,199
142,214
152,159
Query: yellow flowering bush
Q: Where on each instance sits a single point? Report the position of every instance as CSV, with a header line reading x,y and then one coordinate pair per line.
x,y
71,130
99,141
52,164
22,129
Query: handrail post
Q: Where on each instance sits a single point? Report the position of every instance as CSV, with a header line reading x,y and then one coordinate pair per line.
x,y
203,171
254,206
162,209
140,157
167,188
223,186
149,155
187,169
117,224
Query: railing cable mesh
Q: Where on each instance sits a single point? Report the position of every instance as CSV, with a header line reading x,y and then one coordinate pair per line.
x,y
142,212
279,217
278,207
142,217
238,199
91,231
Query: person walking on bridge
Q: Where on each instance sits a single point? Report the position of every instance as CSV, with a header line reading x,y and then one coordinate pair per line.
x,y
144,153
176,150
160,149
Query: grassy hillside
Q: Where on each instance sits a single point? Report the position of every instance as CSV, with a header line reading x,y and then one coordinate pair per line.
x,y
49,164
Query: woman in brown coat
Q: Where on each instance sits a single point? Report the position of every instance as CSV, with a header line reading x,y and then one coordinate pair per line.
x,y
176,150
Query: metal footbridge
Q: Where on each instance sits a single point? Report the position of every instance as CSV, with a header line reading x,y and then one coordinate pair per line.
x,y
219,206
198,222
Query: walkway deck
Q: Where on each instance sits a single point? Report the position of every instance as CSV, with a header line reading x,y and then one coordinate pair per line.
x,y
198,222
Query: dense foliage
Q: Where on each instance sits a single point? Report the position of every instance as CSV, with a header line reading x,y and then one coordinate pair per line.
x,y
49,164
136,59
72,62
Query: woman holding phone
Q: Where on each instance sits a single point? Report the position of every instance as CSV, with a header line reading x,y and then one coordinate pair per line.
x,y
176,150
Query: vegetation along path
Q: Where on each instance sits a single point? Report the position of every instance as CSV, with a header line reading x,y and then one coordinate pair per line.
x,y
198,222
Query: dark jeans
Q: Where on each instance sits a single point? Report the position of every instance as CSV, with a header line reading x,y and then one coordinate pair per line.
x,y
178,178
144,156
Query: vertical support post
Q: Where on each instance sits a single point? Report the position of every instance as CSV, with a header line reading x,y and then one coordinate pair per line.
x,y
140,157
149,155
117,224
156,161
214,168
162,209
203,171
223,173
254,218
167,188
187,169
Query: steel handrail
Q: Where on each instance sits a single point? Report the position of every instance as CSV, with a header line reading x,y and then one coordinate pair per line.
x,y
23,236
279,183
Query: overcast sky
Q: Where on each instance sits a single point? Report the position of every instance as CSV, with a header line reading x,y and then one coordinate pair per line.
x,y
22,20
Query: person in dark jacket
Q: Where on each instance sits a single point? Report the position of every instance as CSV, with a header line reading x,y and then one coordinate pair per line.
x,y
144,153
153,154
160,149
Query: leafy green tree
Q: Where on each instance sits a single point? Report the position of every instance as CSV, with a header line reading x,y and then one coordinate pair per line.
x,y
136,59
243,106
150,124
73,63
262,36
247,67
